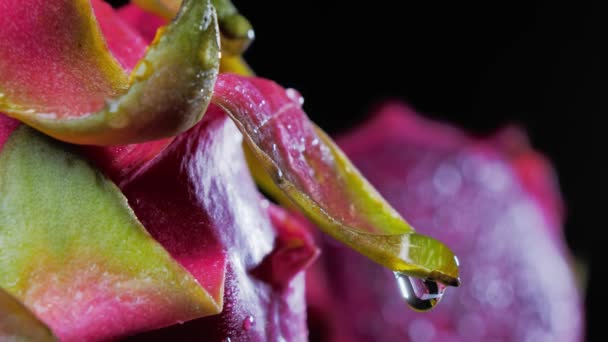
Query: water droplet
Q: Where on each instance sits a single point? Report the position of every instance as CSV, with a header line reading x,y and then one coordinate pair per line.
x,y
294,95
278,177
142,71
447,179
494,176
113,106
419,294
248,322
205,23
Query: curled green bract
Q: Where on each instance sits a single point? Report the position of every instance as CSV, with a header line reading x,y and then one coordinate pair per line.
x,y
299,165
236,31
167,92
74,253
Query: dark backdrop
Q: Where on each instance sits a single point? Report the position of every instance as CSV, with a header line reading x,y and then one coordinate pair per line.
x,y
477,64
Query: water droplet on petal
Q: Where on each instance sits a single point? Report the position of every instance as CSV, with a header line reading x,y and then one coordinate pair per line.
x,y
419,294
295,96
142,71
113,106
248,322
447,179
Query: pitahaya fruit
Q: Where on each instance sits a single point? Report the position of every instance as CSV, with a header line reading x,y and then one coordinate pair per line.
x,y
155,221
502,217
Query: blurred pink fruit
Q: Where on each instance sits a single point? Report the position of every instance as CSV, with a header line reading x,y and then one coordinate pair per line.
x,y
495,202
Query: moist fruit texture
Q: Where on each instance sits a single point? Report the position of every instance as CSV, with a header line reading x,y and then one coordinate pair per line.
x,y
497,205
129,157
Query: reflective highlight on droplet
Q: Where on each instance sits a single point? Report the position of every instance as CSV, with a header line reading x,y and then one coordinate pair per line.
x,y
419,294
248,322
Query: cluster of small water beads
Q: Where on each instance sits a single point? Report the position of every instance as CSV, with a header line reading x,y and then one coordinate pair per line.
x,y
419,294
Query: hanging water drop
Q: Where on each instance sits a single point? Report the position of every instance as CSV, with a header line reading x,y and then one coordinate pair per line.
x,y
419,294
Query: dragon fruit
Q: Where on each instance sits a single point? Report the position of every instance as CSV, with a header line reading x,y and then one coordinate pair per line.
x,y
497,204
126,214
193,182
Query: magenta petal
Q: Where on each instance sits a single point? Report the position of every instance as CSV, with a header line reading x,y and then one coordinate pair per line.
x,y
204,208
42,62
294,249
144,22
516,281
7,126
127,46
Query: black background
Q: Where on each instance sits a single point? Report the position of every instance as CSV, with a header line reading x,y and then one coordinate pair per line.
x,y
478,64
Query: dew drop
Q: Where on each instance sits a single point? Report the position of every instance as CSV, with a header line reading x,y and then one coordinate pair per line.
x,y
113,106
295,96
248,322
142,71
419,294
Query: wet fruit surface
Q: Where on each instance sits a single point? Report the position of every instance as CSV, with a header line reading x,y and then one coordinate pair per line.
x,y
209,216
517,285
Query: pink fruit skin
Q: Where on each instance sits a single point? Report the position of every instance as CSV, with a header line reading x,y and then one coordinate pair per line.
x,y
29,55
199,201
145,23
127,46
500,214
